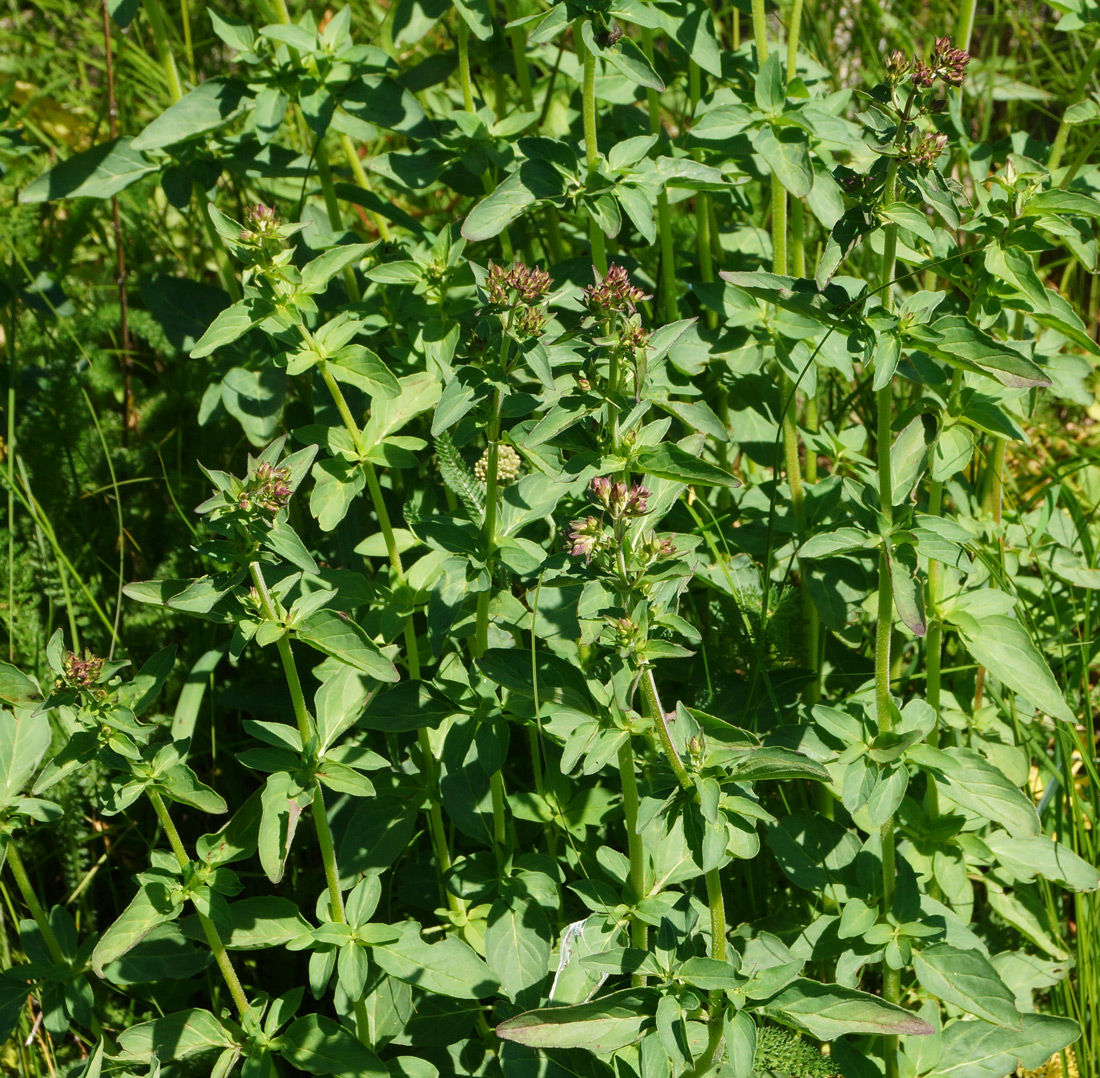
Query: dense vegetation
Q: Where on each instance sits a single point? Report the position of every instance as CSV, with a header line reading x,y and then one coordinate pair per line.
x,y
637,618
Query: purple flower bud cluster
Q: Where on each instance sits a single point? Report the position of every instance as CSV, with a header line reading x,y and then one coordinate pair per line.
x,y
78,673
619,499
588,536
529,285
632,337
267,489
949,63
946,63
614,294
519,291
926,152
263,220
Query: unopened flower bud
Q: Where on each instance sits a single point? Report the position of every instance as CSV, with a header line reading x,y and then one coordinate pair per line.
x,y
949,63
78,673
897,67
614,294
586,538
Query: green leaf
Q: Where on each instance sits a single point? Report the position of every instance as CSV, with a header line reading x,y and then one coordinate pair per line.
x,y
769,88
966,979
972,782
476,15
336,485
629,60
908,456
164,954
951,452
670,461
841,540
180,783
337,635
155,904
772,762
235,33
517,947
15,686
231,324
827,1011
24,738
787,151
908,591
100,172
211,104
175,1036
317,274
1041,855
319,1045
709,973
282,801
138,695
981,1050
451,967
957,341
1005,648
603,1026
494,213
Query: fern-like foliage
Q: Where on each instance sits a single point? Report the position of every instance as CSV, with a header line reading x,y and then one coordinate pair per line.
x,y
785,1052
459,479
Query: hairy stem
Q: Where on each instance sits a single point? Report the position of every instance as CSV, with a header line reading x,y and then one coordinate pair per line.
x,y
639,932
667,295
591,146
464,65
656,713
891,979
217,948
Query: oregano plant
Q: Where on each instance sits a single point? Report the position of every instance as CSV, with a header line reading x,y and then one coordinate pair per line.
x,y
611,640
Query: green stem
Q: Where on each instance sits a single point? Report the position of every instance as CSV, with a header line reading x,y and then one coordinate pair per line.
x,y
164,50
667,300
794,28
286,655
518,37
639,932
591,146
717,906
996,478
891,979
188,47
965,30
361,178
934,642
760,31
702,215
484,598
436,831
26,889
217,948
489,528
320,813
332,207
464,65
217,245
656,713
798,240
1058,147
